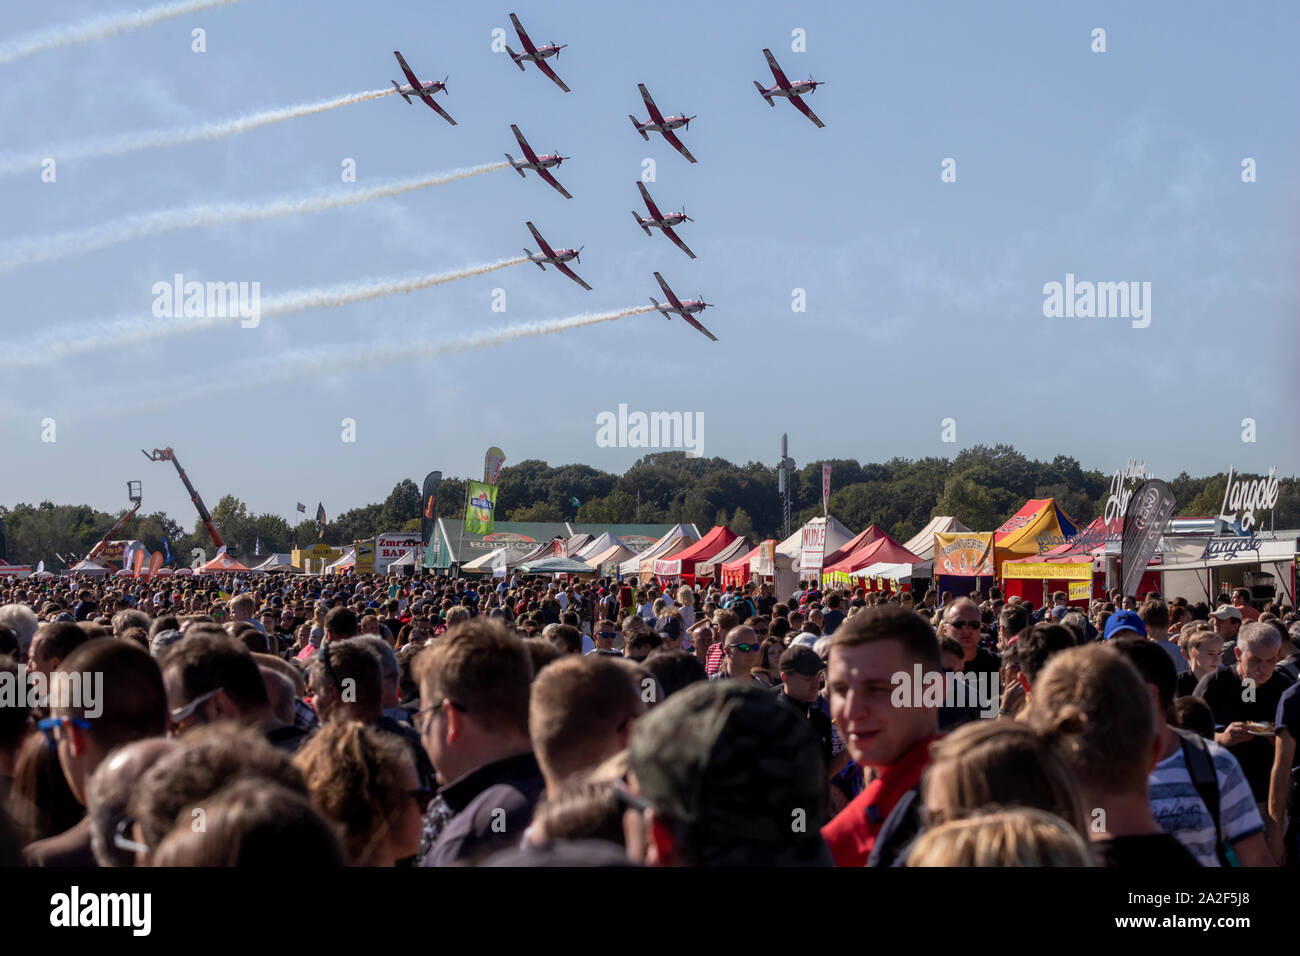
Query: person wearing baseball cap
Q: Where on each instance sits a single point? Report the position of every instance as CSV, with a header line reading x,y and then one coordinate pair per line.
x,y
1227,622
801,682
725,775
1124,621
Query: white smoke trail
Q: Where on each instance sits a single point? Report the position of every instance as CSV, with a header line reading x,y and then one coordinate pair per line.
x,y
100,27
12,164
299,364
117,333
26,252
361,292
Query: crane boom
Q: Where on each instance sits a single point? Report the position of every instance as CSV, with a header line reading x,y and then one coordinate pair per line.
x,y
166,454
133,491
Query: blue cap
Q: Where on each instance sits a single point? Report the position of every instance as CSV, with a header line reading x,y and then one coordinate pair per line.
x,y
1124,621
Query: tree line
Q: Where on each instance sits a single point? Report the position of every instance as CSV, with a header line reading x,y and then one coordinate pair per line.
x,y
982,486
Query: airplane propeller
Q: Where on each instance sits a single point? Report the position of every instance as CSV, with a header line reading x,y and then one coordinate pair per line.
x,y
577,256
685,217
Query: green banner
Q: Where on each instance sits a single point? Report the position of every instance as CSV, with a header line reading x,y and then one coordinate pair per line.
x,y
480,509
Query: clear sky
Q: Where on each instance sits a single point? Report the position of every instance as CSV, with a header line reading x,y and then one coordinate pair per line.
x,y
924,298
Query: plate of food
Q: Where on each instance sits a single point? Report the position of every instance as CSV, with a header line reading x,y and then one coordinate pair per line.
x,y
1261,728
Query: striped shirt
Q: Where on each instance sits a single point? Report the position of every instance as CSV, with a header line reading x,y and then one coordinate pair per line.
x,y
713,660
1181,812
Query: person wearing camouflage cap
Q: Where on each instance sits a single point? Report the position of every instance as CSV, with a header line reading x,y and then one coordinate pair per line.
x,y
727,776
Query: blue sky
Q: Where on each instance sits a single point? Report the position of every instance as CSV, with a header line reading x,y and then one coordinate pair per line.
x,y
924,299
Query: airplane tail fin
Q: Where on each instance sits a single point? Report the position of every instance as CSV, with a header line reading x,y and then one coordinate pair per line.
x,y
515,56
644,135
529,253
656,304
763,93
644,227
511,160
399,91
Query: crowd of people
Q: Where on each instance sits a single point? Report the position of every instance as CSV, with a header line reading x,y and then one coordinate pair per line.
x,y
436,720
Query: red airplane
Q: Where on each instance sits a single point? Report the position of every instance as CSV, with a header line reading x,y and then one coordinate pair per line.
x,y
659,124
554,257
424,91
660,221
791,91
538,164
684,308
537,54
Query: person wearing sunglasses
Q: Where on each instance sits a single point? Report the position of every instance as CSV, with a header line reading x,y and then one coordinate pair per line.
x,y
964,624
741,654
604,636
128,703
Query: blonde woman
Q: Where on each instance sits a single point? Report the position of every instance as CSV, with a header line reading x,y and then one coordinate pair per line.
x,y
686,605
364,781
992,764
1017,837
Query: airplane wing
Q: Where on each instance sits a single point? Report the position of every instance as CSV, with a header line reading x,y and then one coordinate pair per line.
x,y
523,144
541,65
649,203
546,174
540,241
437,109
798,103
672,298
523,37
668,231
781,81
416,85
677,144
572,275
711,336
655,115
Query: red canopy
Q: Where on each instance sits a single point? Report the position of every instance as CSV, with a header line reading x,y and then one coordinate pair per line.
x,y
682,564
882,549
861,540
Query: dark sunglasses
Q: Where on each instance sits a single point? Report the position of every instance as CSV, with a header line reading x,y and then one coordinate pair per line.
x,y
957,625
743,648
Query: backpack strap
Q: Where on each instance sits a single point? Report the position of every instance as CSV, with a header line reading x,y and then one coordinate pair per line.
x,y
1200,766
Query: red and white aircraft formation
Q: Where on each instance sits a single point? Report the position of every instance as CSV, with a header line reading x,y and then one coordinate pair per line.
x,y
554,257
661,222
683,307
424,91
538,164
791,91
537,54
658,123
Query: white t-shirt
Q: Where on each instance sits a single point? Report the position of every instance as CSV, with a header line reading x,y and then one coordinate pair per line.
x,y
1181,812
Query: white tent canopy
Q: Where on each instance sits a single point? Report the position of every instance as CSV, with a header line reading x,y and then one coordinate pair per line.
x,y
88,567
407,560
276,562
349,560
921,544
836,537
496,560
598,546
670,538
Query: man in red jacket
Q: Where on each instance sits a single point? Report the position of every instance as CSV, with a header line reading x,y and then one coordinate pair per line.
x,y
874,658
